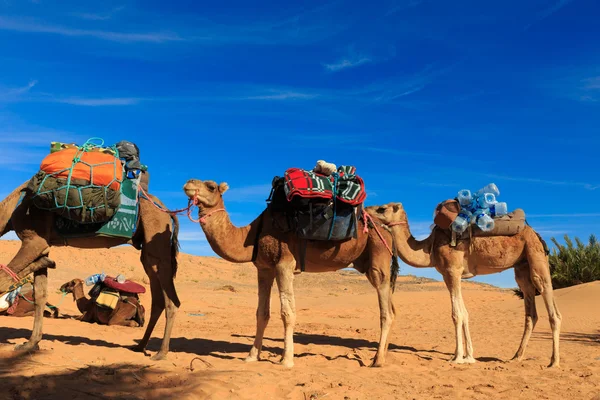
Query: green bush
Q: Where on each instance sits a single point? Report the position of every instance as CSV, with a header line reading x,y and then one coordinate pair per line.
x,y
573,263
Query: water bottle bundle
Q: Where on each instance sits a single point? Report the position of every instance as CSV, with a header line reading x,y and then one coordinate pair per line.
x,y
479,208
95,278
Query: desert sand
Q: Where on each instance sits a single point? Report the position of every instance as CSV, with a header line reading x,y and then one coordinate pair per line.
x,y
336,335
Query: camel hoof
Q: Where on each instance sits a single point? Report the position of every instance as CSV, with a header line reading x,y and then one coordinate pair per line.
x,y
469,360
457,360
26,347
554,364
137,348
159,356
376,364
287,363
250,359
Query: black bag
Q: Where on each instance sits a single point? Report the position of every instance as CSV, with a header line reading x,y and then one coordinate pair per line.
x,y
316,222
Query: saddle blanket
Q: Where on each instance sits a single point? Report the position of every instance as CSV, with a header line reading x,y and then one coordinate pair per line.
x,y
349,187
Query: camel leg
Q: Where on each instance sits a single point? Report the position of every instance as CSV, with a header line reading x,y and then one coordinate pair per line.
x,y
284,273
542,280
386,313
452,280
263,312
40,296
523,278
157,306
171,302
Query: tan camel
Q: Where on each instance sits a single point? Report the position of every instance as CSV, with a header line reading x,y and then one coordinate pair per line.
x,y
277,254
124,313
156,236
484,255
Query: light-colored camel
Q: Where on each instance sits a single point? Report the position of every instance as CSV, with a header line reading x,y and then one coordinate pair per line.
x,y
484,255
123,314
277,258
156,236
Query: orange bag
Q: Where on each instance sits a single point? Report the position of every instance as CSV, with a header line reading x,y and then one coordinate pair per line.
x,y
108,170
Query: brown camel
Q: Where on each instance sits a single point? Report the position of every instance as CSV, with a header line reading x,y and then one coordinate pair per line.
x,y
484,255
277,254
123,314
156,236
26,307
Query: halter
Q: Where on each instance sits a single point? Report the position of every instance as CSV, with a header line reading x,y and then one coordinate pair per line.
x,y
203,218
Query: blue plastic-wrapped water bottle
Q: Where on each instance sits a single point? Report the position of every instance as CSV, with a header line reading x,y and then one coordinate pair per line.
x,y
490,188
93,279
484,221
465,198
461,222
499,209
486,200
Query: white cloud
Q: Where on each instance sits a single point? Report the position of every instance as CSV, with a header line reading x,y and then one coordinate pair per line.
x,y
99,102
28,26
347,63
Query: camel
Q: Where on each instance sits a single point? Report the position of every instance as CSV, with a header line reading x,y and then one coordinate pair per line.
x,y
26,307
484,255
277,254
124,313
156,236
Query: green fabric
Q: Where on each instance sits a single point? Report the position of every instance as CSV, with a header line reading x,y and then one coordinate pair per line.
x,y
124,222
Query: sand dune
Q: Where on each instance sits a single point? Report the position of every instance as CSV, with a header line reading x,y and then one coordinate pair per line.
x,y
337,331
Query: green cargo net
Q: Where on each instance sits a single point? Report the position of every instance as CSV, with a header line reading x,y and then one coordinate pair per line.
x,y
89,200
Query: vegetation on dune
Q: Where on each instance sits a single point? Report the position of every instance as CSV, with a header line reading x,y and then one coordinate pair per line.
x,y
573,263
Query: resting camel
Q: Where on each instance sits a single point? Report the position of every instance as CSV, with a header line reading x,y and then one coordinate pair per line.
x,y
25,307
485,255
276,259
124,313
156,236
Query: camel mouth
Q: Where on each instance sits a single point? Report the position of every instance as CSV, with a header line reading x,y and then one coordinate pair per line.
x,y
190,191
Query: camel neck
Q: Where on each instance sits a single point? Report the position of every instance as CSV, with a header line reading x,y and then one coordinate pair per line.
x,y
416,253
228,241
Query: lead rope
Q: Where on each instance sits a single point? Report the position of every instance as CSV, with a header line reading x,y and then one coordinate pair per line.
x,y
367,219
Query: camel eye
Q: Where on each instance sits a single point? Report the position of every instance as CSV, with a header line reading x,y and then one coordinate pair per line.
x,y
212,188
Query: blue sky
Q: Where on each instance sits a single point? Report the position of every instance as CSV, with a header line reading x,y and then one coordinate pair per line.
x,y
423,97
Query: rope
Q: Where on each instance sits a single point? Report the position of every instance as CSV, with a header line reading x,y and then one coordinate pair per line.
x,y
188,210
367,219
335,182
9,272
202,219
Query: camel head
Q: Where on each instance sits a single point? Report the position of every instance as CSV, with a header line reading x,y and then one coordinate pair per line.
x,y
207,194
388,213
70,286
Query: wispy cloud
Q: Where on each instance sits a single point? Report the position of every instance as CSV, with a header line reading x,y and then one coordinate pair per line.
x,y
99,102
13,93
97,16
347,63
192,236
275,95
548,11
573,215
584,185
30,26
403,5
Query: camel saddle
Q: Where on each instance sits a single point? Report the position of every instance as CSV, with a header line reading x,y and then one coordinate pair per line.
x,y
127,286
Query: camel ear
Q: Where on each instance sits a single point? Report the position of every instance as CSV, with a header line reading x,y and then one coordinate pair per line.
x,y
223,187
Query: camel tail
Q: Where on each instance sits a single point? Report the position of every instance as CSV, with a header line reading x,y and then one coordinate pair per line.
x,y
395,269
174,244
7,206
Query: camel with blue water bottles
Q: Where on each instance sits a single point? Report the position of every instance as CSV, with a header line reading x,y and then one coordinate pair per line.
x,y
465,257
155,235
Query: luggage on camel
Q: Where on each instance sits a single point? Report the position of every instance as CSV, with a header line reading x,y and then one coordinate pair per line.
x,y
93,189
478,214
321,204
107,291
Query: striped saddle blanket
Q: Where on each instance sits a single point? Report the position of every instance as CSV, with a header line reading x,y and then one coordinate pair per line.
x,y
348,187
